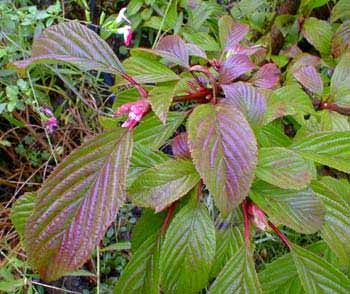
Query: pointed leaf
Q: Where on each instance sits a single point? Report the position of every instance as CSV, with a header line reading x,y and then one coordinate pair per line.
x,y
163,184
188,250
225,24
21,210
336,230
152,133
73,43
234,66
317,275
328,148
309,78
272,135
145,70
141,275
247,99
238,276
267,76
236,34
203,40
283,168
195,50
319,34
77,203
340,10
228,242
300,210
223,148
173,49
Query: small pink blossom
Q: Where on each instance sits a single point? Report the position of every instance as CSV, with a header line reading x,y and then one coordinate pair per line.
x,y
135,110
50,122
257,216
127,33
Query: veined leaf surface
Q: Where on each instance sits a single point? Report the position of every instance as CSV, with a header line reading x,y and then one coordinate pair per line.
x,y
77,203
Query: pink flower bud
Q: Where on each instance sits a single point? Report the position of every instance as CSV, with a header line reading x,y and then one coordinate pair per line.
x,y
135,110
257,216
126,31
50,122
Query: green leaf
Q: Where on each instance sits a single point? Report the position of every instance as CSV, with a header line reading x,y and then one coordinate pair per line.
x,y
340,10
333,121
188,250
228,242
141,275
71,42
223,148
288,100
145,70
341,39
238,275
148,224
21,210
327,148
142,159
319,34
77,203
283,168
273,135
225,26
160,98
152,133
336,230
281,276
163,184
300,210
340,77
317,275
202,40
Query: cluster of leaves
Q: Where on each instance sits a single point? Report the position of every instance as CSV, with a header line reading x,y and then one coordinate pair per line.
x,y
231,107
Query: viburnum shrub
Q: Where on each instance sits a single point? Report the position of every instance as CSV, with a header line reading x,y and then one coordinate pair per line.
x,y
224,117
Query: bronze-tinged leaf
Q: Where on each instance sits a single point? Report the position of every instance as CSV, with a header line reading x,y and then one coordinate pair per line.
x,y
309,78
74,43
236,34
223,148
174,49
247,99
77,203
235,66
180,146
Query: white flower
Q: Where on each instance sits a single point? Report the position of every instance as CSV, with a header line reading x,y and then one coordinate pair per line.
x,y
126,31
121,16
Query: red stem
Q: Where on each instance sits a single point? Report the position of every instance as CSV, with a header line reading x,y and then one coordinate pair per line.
x,y
280,235
199,96
334,107
246,223
142,91
167,218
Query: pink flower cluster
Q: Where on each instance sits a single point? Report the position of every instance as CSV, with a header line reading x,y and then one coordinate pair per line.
x,y
135,110
51,122
126,30
257,216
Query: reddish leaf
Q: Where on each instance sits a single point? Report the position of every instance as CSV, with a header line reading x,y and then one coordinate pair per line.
x,y
292,51
247,99
305,59
180,146
73,43
240,49
174,49
309,78
235,66
194,50
341,39
223,148
236,34
77,204
267,76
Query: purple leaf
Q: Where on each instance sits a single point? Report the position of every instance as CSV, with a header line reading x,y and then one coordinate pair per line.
x,y
240,49
247,99
267,76
224,151
309,78
174,49
236,34
194,50
180,146
292,51
235,66
73,43
77,204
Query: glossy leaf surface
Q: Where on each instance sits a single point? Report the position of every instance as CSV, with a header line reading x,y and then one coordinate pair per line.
x,y
235,66
309,78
